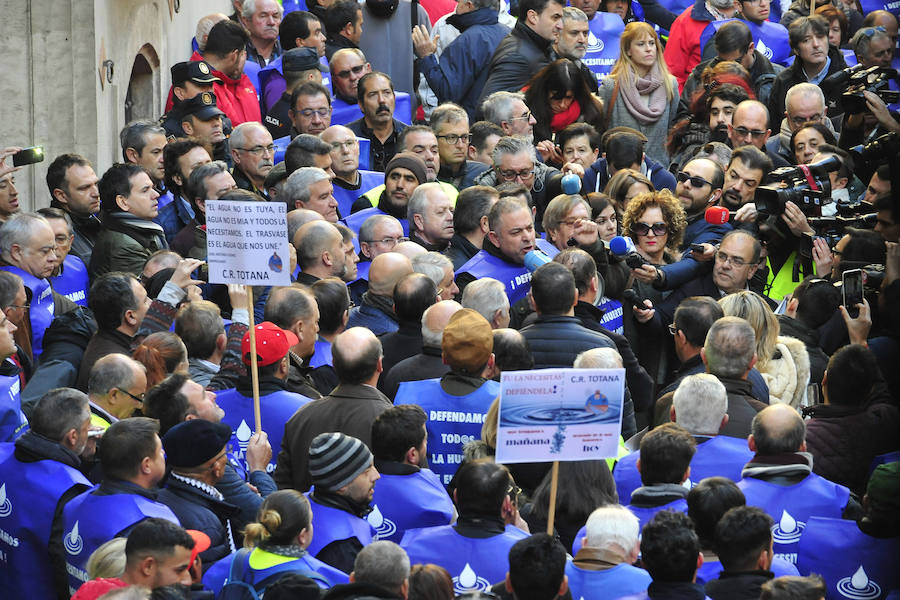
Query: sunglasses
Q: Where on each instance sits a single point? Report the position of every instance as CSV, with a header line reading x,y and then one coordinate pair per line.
x,y
643,229
696,181
346,72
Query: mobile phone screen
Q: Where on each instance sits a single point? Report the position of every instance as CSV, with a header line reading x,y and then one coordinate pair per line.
x,y
852,287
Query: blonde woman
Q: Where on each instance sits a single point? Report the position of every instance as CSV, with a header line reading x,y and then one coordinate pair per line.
x,y
640,92
782,360
274,545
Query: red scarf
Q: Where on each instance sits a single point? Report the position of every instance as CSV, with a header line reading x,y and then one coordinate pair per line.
x,y
561,120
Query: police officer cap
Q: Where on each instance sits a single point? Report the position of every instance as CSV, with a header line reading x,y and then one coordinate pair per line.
x,y
300,59
203,106
468,341
197,71
192,443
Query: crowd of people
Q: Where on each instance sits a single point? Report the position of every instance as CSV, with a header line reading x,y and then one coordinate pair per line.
x,y
698,194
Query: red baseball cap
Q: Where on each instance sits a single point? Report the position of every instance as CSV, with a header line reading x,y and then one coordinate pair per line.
x,y
272,344
201,543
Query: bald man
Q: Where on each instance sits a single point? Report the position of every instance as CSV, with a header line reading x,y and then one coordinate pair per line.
x,y
295,310
779,479
320,252
377,309
350,409
428,364
350,182
116,388
409,249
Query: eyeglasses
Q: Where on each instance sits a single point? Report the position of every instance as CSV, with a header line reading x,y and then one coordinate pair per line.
x,y
453,139
391,241
642,229
723,258
836,251
696,181
23,307
345,74
260,150
672,329
799,121
348,145
509,175
526,116
309,112
132,396
744,132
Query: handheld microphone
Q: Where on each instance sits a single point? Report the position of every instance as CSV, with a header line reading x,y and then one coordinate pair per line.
x,y
717,215
633,297
624,247
535,259
571,184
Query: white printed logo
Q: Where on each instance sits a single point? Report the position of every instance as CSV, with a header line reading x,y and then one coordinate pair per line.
x,y
858,587
595,44
73,542
384,527
788,529
764,50
243,435
469,581
5,504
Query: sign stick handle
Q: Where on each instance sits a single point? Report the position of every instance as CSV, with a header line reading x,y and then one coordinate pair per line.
x,y
554,481
254,370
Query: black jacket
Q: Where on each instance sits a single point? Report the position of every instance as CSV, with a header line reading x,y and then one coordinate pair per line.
x,y
556,340
460,250
793,75
399,345
739,585
428,364
198,510
818,360
520,55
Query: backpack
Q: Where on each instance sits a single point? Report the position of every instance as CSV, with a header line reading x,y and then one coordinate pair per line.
x,y
240,584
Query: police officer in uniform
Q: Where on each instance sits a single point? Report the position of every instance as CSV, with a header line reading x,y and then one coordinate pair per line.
x,y
39,474
202,119
189,79
300,65
409,495
467,346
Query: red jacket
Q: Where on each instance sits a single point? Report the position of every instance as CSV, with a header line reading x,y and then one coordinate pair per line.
x,y
683,50
237,98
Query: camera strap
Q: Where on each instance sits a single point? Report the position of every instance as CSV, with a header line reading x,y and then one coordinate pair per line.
x,y
809,177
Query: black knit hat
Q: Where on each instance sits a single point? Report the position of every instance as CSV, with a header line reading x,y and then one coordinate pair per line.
x,y
336,459
192,443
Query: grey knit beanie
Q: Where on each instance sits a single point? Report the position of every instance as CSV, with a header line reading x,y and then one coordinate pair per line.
x,y
336,459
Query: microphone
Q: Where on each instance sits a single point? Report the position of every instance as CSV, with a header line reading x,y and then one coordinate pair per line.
x,y
633,297
717,215
624,247
571,184
535,259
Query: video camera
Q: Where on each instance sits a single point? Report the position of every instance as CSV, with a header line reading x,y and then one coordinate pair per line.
x,y
860,215
851,82
807,186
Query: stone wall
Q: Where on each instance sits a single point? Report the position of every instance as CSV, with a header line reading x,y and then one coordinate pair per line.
x,y
51,93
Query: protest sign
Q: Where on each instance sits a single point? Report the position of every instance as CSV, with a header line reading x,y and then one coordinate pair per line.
x,y
559,415
247,243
